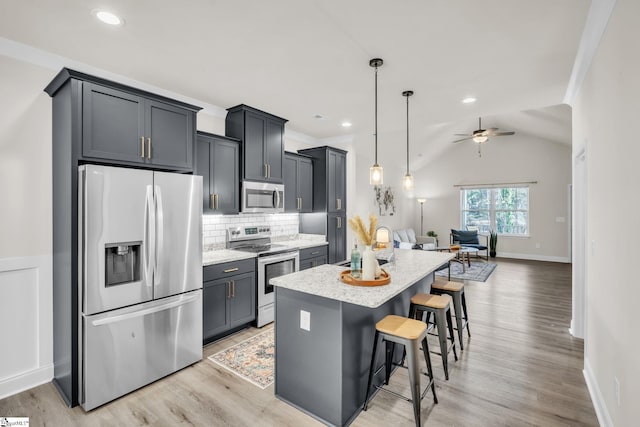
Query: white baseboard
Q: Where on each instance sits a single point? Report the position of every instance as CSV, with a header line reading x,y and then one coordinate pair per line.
x,y
596,396
25,381
534,257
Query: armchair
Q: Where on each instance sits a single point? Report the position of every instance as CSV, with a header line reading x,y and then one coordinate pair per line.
x,y
407,239
471,238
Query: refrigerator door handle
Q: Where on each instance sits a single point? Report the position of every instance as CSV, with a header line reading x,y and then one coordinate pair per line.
x,y
183,300
159,233
149,236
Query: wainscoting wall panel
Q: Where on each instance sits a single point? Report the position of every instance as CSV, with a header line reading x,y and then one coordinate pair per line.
x,y
26,333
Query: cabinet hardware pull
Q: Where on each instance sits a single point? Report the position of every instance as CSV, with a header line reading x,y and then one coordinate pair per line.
x,y
268,170
233,289
231,270
149,148
215,200
265,170
142,146
315,252
339,222
228,290
212,201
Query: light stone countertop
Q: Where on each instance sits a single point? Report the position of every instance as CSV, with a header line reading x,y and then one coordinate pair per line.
x,y
300,241
219,256
324,281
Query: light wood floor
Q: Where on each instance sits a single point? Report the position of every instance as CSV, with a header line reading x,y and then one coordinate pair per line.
x,y
521,367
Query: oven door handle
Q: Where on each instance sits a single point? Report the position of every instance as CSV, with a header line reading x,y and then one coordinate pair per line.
x,y
270,259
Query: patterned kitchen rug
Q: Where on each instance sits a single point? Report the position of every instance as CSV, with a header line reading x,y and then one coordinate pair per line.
x,y
251,360
478,272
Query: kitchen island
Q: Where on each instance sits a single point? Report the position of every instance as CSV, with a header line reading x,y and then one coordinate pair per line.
x,y
324,332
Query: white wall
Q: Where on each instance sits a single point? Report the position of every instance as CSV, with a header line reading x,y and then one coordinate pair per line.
x,y
25,227
605,120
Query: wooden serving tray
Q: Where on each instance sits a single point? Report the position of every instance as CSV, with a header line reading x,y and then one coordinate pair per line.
x,y
384,279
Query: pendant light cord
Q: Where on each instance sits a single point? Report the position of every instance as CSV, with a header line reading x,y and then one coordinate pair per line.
x,y
407,134
376,118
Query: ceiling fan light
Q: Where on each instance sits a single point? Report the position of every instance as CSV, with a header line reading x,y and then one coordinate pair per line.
x,y
480,138
407,182
376,175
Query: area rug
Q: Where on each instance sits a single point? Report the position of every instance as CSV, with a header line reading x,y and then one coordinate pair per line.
x,y
478,272
251,360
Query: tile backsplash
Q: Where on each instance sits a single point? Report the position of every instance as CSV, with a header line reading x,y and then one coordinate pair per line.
x,y
214,227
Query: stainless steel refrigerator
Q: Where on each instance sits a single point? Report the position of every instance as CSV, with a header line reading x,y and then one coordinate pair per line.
x,y
140,275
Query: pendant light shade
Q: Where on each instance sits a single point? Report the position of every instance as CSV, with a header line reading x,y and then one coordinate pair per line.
x,y
375,172
407,181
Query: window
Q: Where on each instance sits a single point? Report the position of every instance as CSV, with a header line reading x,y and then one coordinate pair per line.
x,y
505,210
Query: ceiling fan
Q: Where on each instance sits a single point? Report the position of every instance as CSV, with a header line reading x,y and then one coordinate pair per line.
x,y
482,135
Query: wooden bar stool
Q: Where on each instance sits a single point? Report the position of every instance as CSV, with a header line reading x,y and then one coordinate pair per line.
x,y
456,291
410,333
440,307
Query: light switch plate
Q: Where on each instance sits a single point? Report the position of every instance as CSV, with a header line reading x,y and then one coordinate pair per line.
x,y
305,320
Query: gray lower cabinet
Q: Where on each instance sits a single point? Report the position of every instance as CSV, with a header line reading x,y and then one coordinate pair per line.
x,y
337,237
121,126
313,257
218,162
298,183
229,297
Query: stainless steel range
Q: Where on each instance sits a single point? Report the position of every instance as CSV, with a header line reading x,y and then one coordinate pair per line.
x,y
272,260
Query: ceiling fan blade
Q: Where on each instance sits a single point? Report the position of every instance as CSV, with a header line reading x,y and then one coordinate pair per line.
x,y
503,133
463,139
461,134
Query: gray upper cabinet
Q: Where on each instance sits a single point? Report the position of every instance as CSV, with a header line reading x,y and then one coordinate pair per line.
x,y
262,136
298,183
218,162
337,181
329,179
112,124
122,126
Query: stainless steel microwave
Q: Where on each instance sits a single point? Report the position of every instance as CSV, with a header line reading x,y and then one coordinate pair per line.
x,y
262,197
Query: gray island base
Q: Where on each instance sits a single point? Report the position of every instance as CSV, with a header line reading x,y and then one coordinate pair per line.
x,y
324,332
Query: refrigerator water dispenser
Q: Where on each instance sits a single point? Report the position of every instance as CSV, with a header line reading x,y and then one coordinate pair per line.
x,y
122,263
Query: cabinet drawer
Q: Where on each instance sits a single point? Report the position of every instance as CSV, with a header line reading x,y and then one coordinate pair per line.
x,y
316,251
221,271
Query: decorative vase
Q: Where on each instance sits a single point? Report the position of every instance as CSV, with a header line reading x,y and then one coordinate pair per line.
x,y
369,264
492,254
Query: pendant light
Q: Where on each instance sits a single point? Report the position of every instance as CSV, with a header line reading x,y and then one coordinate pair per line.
x,y
407,181
375,172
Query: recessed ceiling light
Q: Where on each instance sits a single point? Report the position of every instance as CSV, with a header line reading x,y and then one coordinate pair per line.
x,y
469,100
319,117
346,124
108,17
